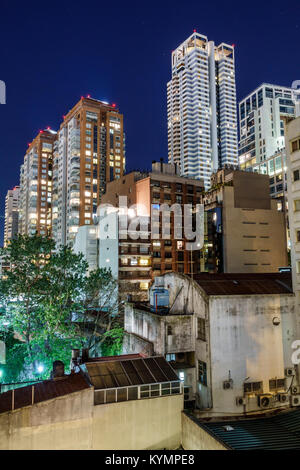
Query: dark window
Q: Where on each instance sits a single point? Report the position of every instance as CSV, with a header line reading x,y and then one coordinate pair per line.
x,y
202,373
298,235
201,329
251,387
296,174
275,384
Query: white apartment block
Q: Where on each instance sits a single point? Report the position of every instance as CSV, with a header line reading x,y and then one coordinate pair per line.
x,y
202,120
261,119
11,214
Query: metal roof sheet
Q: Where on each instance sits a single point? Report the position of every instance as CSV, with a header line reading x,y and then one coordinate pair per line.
x,y
43,391
125,372
280,432
245,283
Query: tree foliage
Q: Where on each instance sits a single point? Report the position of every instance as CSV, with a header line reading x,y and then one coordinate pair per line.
x,y
52,303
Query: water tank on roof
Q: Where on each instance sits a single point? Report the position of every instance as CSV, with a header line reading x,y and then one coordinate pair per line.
x,y
159,298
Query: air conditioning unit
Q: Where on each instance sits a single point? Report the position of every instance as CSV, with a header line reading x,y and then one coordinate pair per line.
x,y
227,384
265,400
188,394
289,371
295,390
295,400
283,397
240,401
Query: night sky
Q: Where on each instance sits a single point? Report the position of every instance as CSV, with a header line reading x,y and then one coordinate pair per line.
x,y
51,53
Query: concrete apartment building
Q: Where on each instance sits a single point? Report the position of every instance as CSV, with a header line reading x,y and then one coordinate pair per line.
x,y
229,336
11,214
202,120
125,252
122,402
292,136
89,152
35,199
245,231
147,193
261,119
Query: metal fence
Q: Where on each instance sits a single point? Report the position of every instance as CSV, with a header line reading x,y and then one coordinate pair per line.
x,y
137,392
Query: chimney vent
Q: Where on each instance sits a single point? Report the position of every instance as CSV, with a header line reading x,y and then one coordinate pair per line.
x,y
85,355
58,370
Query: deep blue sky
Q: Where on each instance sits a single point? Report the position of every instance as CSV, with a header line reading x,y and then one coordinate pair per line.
x,y
51,53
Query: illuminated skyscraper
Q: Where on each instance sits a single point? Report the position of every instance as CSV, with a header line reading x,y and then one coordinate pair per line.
x,y
11,214
89,152
36,186
202,120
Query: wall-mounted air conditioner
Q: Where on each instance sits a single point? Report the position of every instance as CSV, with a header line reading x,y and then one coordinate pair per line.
x,y
265,400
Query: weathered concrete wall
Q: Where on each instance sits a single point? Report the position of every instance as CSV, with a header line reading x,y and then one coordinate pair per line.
x,y
135,344
155,328
195,438
153,423
244,341
73,422
254,239
61,423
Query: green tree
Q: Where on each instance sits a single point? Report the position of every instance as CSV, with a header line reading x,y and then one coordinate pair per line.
x,y
52,303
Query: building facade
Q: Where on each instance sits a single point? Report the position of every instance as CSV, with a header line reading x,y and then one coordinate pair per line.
x,y
202,120
261,121
121,403
89,152
147,193
11,214
230,337
292,140
245,228
35,204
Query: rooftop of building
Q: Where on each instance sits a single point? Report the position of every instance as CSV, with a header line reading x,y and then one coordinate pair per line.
x,y
245,283
125,371
279,432
43,391
283,87
160,311
99,372
162,170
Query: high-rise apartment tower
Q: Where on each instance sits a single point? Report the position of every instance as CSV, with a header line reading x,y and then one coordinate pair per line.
x,y
89,152
11,214
202,120
36,186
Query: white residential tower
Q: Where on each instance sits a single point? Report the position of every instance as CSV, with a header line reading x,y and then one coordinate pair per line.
x,y
202,120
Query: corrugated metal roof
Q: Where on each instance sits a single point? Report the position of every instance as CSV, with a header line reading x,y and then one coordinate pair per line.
x,y
280,432
43,391
126,372
245,283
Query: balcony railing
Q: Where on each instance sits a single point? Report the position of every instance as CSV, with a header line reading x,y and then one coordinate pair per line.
x,y
137,392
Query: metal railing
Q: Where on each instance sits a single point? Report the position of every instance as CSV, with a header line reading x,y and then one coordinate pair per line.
x,y
137,392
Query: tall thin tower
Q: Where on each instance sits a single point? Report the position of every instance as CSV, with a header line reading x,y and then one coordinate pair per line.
x,y
202,118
